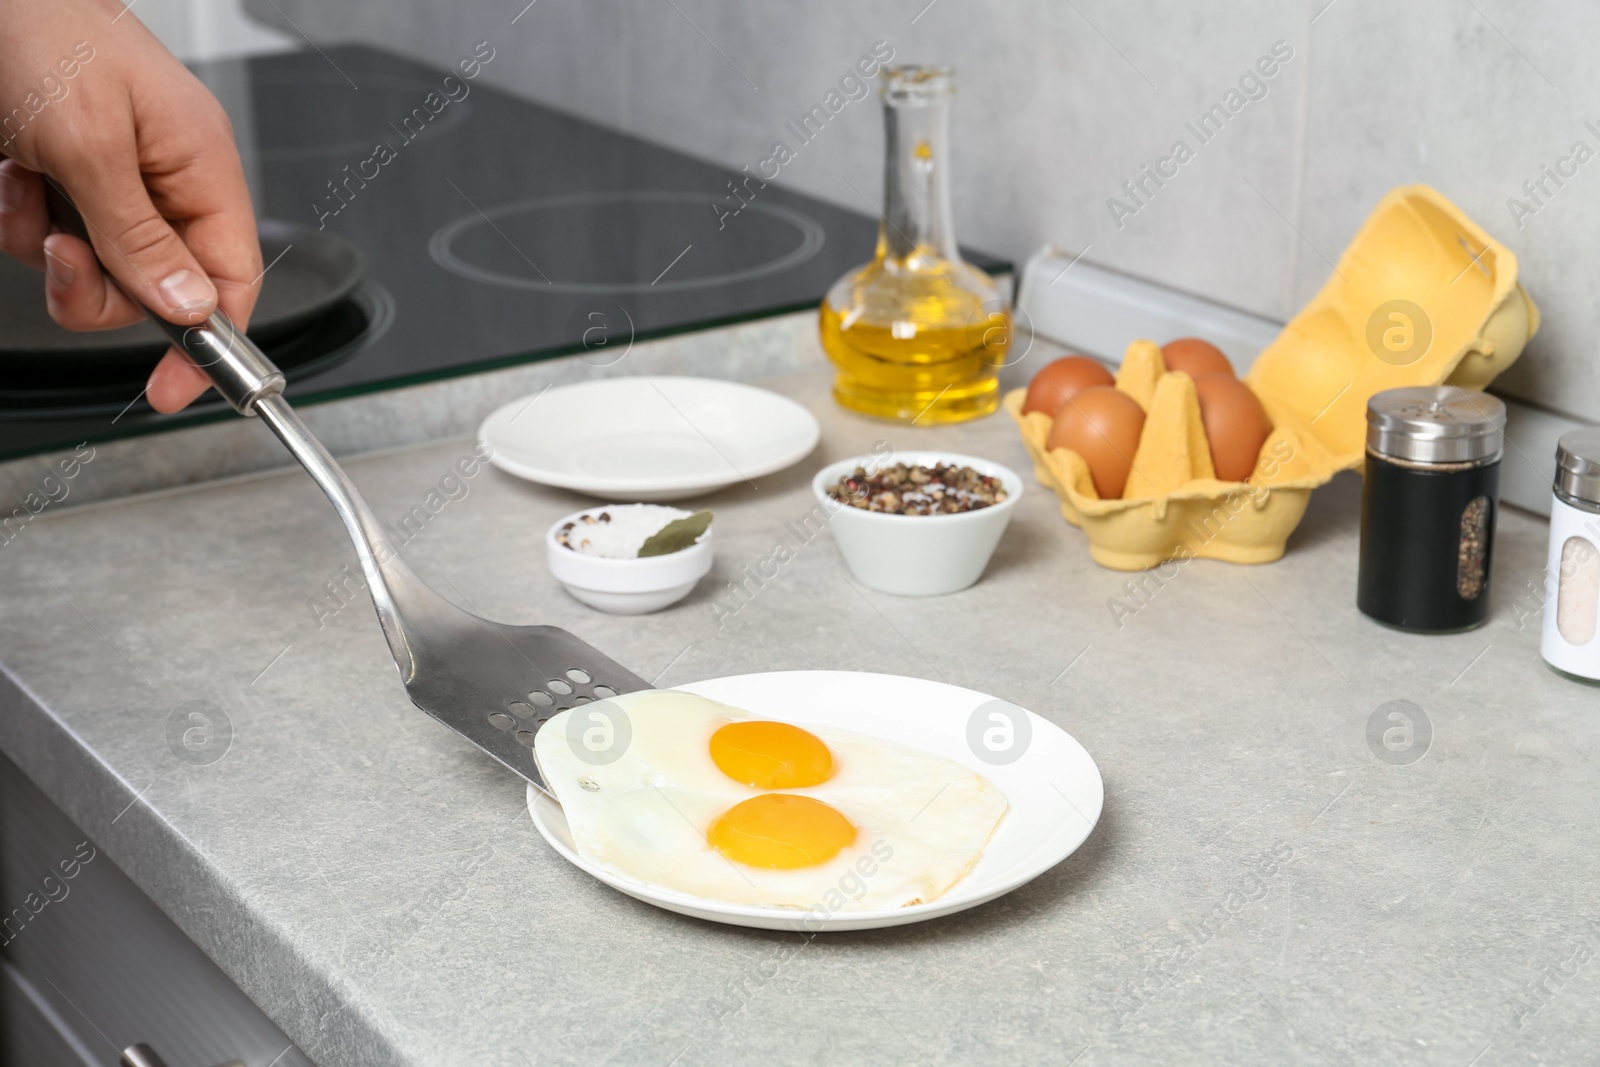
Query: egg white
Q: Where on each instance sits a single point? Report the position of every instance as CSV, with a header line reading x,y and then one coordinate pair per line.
x,y
922,820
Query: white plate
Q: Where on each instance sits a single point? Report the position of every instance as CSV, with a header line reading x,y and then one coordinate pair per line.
x,y
1053,787
649,439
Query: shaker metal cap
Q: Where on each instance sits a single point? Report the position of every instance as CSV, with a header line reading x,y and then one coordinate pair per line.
x,y
1436,424
1578,464
912,82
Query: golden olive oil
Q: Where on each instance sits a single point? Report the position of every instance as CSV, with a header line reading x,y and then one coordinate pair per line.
x,y
917,334
931,359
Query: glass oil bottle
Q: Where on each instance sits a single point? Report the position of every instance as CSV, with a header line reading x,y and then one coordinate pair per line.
x,y
916,335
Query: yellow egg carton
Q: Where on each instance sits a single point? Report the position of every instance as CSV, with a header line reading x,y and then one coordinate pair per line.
x,y
1421,296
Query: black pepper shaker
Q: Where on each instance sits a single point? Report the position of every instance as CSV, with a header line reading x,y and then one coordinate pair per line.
x,y
1428,507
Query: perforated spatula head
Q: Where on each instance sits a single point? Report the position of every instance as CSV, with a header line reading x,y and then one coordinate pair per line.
x,y
497,685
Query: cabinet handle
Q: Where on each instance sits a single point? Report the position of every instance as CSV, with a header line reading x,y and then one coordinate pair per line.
x,y
140,1055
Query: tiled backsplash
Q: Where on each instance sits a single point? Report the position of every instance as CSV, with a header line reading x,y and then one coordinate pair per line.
x,y
1294,117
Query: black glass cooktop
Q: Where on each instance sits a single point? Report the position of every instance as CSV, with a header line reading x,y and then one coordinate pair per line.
x,y
496,232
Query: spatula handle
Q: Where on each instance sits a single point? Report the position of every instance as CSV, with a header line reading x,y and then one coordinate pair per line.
x,y
248,380
239,370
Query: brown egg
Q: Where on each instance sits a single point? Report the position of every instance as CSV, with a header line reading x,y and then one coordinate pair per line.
x,y
1236,424
1101,424
1061,380
1195,357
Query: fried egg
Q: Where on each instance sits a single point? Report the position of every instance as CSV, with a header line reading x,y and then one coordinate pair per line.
x,y
689,794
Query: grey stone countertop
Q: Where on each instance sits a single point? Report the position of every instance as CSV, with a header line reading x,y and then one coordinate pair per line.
x,y
1263,888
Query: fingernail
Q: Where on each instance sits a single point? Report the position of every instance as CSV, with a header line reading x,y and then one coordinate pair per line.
x,y
57,271
12,191
185,290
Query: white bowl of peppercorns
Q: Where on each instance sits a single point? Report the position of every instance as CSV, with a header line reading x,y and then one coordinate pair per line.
x,y
918,524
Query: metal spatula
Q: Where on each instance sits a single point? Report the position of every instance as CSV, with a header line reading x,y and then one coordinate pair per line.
x,y
492,683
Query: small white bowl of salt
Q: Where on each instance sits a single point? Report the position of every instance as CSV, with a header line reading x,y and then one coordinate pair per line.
x,y
629,559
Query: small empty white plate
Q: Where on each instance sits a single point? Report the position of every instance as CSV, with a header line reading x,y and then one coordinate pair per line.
x,y
649,439
1051,784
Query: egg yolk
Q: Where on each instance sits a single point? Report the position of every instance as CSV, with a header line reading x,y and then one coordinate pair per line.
x,y
771,755
781,831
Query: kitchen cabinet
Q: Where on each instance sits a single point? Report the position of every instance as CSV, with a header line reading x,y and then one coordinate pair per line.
x,y
89,965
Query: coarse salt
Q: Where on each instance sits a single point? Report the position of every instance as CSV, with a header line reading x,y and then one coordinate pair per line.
x,y
617,532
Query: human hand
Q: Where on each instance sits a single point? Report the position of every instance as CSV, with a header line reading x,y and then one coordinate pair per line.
x,y
90,100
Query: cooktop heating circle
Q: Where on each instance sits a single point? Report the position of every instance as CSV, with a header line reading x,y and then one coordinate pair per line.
x,y
579,221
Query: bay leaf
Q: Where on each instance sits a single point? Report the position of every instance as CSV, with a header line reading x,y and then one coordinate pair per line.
x,y
676,535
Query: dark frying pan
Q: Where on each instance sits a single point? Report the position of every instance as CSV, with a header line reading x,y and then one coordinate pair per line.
x,y
316,272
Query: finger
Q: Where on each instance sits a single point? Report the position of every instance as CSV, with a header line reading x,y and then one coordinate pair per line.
x,y
77,292
134,243
24,224
220,232
223,240
81,297
175,383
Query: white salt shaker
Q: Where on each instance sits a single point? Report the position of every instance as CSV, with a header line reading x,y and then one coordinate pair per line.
x,y
1571,639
